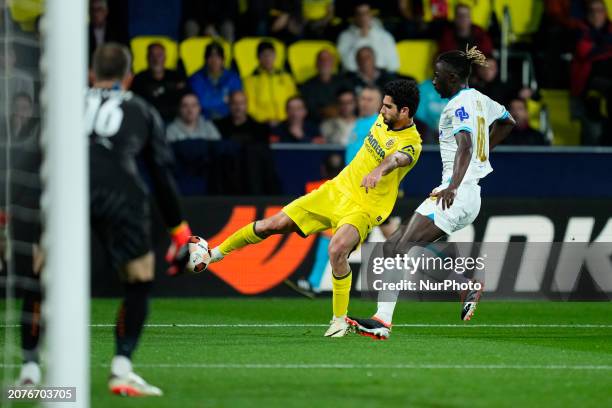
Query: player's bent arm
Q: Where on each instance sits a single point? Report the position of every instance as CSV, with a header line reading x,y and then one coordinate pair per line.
x,y
396,160
462,158
389,163
500,130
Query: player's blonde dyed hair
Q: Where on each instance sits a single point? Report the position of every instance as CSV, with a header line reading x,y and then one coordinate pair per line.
x,y
461,61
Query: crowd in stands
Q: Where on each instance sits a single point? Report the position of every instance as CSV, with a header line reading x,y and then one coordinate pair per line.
x,y
237,114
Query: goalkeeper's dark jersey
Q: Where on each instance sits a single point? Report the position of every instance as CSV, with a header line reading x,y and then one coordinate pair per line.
x,y
125,130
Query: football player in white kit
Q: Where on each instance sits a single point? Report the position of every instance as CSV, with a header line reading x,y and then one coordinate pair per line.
x,y
470,125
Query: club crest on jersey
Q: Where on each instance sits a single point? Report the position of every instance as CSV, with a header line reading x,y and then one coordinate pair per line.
x,y
461,114
389,143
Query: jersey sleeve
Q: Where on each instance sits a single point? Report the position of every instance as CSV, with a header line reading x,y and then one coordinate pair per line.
x,y
495,111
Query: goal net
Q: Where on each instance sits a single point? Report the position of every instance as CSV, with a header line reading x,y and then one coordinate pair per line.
x,y
44,173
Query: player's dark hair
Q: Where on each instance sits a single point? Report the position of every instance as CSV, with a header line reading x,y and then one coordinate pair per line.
x,y
214,47
111,61
263,46
461,61
405,93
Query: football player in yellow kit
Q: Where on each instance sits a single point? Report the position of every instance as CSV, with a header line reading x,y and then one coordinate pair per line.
x,y
359,198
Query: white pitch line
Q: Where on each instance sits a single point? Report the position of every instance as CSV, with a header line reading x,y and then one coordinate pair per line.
x,y
301,366
409,325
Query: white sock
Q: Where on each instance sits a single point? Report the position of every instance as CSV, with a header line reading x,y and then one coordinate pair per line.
x,y
340,318
121,366
215,255
30,372
385,311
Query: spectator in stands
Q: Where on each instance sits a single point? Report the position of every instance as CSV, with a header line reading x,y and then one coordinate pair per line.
x,y
369,103
22,111
296,129
253,164
338,130
410,23
461,33
268,88
365,31
591,78
287,23
190,124
431,106
210,18
522,133
160,86
15,79
320,91
239,126
100,31
367,74
213,83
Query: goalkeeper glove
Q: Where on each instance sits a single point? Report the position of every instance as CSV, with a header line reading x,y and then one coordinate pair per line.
x,y
176,254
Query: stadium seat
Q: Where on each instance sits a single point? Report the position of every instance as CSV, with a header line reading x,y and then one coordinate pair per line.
x,y
302,58
245,54
25,13
416,58
525,15
566,130
139,51
481,11
192,52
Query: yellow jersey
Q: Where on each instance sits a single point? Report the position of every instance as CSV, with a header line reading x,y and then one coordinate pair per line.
x,y
380,143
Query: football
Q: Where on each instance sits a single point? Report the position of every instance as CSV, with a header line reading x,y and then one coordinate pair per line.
x,y
199,257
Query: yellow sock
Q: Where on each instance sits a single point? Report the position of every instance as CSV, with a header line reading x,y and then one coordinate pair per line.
x,y
341,294
241,238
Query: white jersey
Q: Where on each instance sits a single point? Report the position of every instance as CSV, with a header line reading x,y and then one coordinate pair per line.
x,y
473,112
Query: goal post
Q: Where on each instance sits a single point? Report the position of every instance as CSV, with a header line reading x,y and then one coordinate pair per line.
x,y
65,201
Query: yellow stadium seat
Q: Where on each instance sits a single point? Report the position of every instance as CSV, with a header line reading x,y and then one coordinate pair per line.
x,y
139,51
245,54
192,52
416,58
525,15
303,55
25,13
565,129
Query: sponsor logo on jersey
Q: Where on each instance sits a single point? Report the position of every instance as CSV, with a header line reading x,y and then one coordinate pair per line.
x,y
389,143
375,147
462,114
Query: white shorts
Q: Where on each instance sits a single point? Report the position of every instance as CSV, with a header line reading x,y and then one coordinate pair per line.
x,y
462,213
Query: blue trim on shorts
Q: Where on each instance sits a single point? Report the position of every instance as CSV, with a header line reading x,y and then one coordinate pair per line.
x,y
431,216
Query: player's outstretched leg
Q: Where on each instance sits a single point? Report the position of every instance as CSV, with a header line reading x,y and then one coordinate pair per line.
x,y
343,242
253,233
418,229
130,321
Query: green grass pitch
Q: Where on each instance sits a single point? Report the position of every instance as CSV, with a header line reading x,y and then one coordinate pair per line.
x,y
270,352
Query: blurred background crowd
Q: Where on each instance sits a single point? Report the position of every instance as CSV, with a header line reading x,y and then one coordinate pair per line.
x,y
233,79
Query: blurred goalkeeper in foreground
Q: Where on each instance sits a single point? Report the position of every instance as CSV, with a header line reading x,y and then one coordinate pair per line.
x,y
122,127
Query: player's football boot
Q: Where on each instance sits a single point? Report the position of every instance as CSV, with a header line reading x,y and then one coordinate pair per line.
x,y
338,328
132,385
469,301
29,375
373,328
